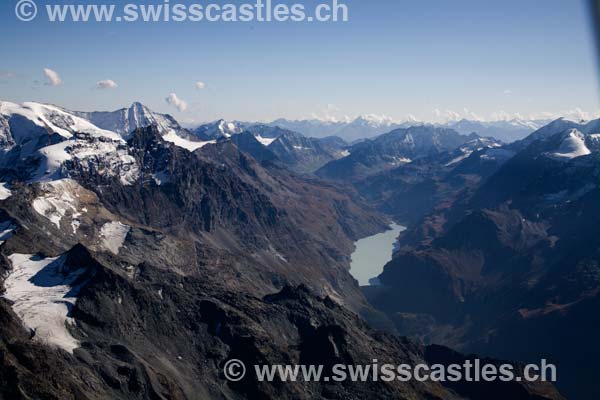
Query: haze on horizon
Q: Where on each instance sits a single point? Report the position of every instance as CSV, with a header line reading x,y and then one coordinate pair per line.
x,y
404,60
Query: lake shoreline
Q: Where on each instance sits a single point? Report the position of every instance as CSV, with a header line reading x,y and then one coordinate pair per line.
x,y
372,253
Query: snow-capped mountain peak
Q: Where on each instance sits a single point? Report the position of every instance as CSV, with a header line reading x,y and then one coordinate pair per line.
x,y
228,128
218,129
46,143
572,146
50,118
126,120
565,139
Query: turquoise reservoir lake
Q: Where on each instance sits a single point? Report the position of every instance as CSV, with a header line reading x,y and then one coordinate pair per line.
x,y
372,253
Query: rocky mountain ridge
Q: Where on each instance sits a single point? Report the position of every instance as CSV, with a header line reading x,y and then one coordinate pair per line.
x,y
508,265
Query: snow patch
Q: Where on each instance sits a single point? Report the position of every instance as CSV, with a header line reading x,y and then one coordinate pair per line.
x,y
459,158
497,154
228,129
113,235
161,177
52,158
59,201
185,143
98,155
6,230
53,118
35,113
5,193
42,296
265,141
401,161
277,254
572,146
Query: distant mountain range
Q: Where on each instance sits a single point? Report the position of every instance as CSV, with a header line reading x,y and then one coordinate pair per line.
x,y
370,126
311,154
398,147
505,131
363,127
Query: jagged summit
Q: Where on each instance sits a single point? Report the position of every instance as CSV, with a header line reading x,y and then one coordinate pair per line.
x,y
126,120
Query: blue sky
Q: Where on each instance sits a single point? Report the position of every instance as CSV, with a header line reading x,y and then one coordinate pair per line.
x,y
394,57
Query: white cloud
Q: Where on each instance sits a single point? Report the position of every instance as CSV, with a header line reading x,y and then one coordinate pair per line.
x,y
333,108
574,114
505,116
106,84
471,115
507,92
53,77
451,115
331,113
7,74
200,85
176,102
379,119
